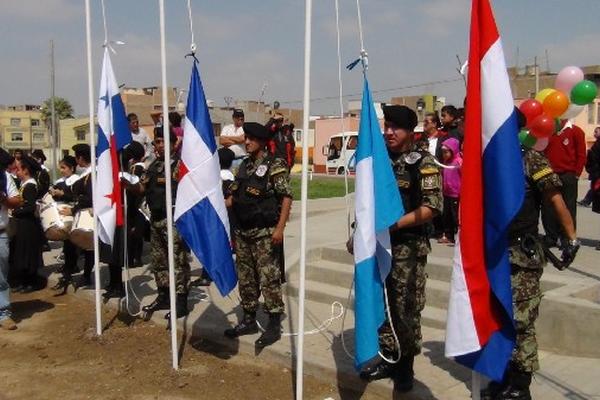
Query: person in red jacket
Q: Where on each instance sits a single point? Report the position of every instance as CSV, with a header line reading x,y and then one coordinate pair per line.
x,y
566,152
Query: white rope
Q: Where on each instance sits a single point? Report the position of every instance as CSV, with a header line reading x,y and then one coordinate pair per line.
x,y
342,122
105,24
126,263
363,53
319,328
193,42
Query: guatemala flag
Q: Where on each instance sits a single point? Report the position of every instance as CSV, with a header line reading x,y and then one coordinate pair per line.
x,y
378,206
113,135
200,213
480,329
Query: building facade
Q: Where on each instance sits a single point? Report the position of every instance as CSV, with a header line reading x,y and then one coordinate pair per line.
x,y
21,127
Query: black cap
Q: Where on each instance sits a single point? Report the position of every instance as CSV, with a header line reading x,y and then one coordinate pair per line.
x,y
39,154
31,164
135,150
5,158
226,157
70,161
238,113
402,116
256,130
159,133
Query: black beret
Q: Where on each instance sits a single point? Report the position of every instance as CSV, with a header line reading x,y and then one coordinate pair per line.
x,y
238,112
38,153
82,149
70,161
31,164
402,116
159,133
226,157
256,130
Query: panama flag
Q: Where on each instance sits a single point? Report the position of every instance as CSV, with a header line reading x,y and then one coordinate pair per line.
x,y
378,206
480,330
113,135
200,213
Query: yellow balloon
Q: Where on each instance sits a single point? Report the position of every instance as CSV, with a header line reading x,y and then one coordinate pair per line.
x,y
541,96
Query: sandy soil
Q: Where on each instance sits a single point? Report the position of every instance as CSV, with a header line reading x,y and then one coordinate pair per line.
x,y
55,355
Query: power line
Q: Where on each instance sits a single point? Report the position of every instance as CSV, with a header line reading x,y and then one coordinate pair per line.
x,y
440,82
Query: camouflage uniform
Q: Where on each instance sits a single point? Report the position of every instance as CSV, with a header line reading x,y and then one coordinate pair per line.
x,y
155,190
419,181
257,259
527,262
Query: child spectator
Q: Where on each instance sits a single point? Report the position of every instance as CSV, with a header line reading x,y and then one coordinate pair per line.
x,y
451,177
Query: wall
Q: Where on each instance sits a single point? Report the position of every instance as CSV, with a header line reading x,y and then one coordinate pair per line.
x,y
34,136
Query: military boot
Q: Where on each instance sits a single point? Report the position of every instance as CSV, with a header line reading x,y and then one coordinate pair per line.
x,y
494,388
272,333
247,326
377,370
517,388
160,303
181,307
404,376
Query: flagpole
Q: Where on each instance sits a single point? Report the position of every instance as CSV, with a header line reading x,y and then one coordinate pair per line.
x,y
88,35
169,194
303,201
475,385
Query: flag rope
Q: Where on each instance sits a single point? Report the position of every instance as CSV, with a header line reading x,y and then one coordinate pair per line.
x,y
193,42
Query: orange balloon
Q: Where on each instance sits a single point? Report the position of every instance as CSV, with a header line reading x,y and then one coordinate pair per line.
x,y
556,104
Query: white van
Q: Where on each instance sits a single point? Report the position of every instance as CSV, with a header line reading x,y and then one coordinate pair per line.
x,y
340,152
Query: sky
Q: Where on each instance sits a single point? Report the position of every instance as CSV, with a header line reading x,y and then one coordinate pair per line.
x,y
245,44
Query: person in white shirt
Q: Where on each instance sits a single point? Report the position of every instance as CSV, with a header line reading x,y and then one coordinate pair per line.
x,y
232,136
141,136
9,198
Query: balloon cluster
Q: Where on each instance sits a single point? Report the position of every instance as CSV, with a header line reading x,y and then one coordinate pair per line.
x,y
570,95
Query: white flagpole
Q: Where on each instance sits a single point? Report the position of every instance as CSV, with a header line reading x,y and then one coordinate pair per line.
x,y
168,175
304,200
88,35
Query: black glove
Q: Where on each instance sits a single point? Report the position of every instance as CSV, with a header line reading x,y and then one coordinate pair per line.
x,y
569,251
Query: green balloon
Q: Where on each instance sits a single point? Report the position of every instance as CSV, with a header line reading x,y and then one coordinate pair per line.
x,y
526,139
584,93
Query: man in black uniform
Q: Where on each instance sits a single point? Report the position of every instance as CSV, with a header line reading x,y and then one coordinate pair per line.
x,y
419,181
154,187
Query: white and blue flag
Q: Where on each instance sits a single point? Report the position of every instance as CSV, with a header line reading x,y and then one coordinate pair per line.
x,y
200,213
378,206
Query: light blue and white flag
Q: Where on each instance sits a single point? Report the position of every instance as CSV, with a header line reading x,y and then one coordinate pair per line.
x,y
378,206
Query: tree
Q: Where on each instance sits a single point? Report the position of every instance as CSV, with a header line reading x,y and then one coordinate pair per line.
x,y
62,108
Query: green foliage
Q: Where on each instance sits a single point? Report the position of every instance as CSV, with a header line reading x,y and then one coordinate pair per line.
x,y
62,107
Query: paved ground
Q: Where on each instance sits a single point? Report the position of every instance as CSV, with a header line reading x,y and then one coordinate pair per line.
x,y
439,378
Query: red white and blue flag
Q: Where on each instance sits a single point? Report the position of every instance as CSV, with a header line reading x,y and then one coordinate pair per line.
x,y
200,213
113,135
480,328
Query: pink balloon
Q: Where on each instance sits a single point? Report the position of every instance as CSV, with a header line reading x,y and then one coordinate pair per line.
x,y
567,78
541,144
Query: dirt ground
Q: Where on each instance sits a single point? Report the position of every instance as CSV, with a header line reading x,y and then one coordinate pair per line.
x,y
55,355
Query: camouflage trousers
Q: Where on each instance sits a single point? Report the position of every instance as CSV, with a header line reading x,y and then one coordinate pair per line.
x,y
159,263
405,286
258,271
527,296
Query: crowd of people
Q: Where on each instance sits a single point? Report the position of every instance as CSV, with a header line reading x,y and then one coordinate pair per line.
x,y
256,161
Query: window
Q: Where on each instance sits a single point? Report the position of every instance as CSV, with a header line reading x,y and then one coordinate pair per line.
x,y
39,137
15,121
598,114
352,142
35,122
591,117
80,135
16,136
298,135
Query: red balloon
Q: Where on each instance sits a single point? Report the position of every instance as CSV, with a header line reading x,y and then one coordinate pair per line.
x,y
542,126
531,108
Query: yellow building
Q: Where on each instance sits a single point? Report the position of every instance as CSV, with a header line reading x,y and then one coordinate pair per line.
x,y
21,127
73,131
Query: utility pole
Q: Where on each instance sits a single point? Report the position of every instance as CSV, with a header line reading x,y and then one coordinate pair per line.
x,y
537,75
53,130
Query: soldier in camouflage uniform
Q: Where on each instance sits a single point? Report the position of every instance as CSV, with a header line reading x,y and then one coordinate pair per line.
x,y
261,199
527,259
419,182
153,186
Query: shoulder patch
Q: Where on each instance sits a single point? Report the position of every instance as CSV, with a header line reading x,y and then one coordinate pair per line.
x,y
542,173
429,170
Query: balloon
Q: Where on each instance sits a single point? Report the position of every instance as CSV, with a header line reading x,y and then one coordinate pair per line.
x,y
526,139
541,144
542,127
531,108
573,111
541,96
584,93
555,104
567,78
